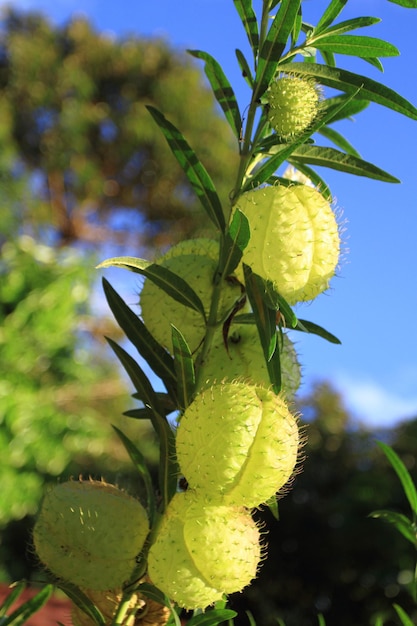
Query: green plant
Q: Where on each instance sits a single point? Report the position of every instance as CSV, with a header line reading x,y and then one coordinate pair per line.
x,y
191,519
406,526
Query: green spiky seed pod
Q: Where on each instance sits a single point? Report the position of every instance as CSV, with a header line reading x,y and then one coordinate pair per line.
x,y
89,534
203,551
237,443
195,261
294,103
295,240
244,360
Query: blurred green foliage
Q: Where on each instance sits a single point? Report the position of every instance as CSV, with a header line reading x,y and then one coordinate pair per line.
x,y
74,128
59,392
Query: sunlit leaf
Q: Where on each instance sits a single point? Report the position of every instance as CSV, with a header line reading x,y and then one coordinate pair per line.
x,y
409,4
355,45
346,26
275,43
349,82
317,180
336,160
184,368
140,465
330,14
249,21
193,169
244,66
222,90
172,284
315,329
135,330
338,140
233,245
353,107
265,319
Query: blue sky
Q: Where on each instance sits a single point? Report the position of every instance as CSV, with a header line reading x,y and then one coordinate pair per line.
x,y
372,303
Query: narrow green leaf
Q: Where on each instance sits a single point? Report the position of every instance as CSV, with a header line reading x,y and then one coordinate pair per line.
x,y
222,90
355,45
346,26
321,620
168,468
212,617
28,608
409,4
137,376
330,14
184,367
244,66
336,160
274,44
297,28
265,319
141,467
405,619
317,180
153,593
139,414
349,82
193,169
375,62
332,107
249,21
403,474
135,330
315,329
172,284
233,245
83,602
338,140
401,523
16,591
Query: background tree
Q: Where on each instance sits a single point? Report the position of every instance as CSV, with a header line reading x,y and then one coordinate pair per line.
x,y
80,163
75,129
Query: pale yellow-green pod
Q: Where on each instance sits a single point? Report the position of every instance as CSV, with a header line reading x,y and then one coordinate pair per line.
x,y
196,262
243,360
203,551
293,104
294,240
89,533
237,443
